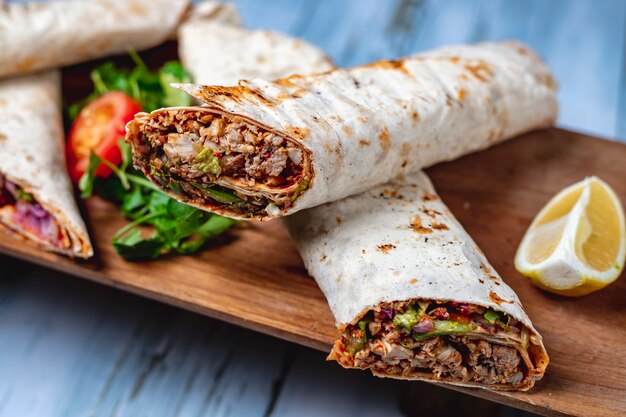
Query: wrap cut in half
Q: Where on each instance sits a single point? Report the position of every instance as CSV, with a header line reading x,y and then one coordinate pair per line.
x,y
412,294
219,54
265,149
36,196
37,36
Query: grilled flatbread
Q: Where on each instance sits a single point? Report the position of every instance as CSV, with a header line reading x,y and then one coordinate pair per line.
x,y
412,294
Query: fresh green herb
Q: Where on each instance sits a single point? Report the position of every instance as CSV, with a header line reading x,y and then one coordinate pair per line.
x,y
363,327
160,224
224,196
491,316
221,195
151,89
356,344
175,186
304,184
173,72
407,320
207,162
443,327
86,182
20,194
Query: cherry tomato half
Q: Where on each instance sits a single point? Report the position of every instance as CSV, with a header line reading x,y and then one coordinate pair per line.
x,y
99,126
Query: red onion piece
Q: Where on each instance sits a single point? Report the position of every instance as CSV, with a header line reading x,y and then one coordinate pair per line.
x,y
424,325
35,219
387,312
485,324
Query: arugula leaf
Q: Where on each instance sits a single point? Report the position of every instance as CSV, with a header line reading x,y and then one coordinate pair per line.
x,y
132,201
127,154
134,247
215,226
151,89
173,72
158,202
85,184
177,209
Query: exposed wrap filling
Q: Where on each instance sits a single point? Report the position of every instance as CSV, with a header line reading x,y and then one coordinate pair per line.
x,y
451,341
20,212
215,160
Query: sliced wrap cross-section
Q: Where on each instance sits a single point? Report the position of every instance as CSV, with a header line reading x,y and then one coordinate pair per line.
x,y
412,295
36,195
264,149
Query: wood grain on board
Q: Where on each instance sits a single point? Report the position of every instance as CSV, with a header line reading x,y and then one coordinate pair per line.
x,y
253,277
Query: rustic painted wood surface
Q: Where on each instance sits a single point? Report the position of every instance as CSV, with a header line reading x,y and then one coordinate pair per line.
x,y
71,348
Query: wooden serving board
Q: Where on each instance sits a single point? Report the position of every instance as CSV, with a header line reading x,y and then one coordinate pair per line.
x,y
253,277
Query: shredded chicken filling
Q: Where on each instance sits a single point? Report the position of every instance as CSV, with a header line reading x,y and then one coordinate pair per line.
x,y
443,339
210,158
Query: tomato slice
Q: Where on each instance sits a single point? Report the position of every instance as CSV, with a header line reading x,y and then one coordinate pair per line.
x,y
99,126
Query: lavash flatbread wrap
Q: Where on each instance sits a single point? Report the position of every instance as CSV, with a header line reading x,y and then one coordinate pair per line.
x,y
412,295
36,36
264,149
219,54
36,196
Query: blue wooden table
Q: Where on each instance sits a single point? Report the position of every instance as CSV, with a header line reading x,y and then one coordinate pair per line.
x,y
73,348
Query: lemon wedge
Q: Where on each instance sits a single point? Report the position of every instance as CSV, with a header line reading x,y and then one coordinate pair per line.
x,y
577,242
